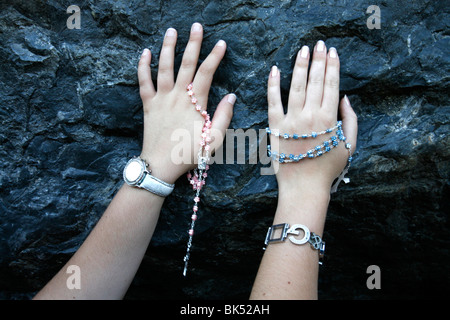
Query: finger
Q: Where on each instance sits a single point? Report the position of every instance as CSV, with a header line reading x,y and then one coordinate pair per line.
x,y
190,57
166,61
297,93
314,88
146,88
349,122
205,73
275,112
221,120
330,99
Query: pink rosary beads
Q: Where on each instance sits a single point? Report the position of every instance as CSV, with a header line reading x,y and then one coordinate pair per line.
x,y
198,177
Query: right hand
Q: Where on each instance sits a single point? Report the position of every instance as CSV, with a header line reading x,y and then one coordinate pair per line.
x,y
169,107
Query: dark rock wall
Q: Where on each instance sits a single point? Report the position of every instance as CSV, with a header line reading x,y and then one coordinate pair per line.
x,y
71,116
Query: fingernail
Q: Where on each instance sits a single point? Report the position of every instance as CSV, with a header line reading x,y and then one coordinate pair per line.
x,y
231,98
320,46
220,43
333,53
304,52
347,102
145,52
274,72
170,32
196,27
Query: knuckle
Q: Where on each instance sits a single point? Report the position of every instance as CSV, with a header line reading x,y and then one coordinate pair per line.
x,y
332,82
205,70
307,116
329,118
165,69
273,97
315,80
188,64
144,93
299,87
274,105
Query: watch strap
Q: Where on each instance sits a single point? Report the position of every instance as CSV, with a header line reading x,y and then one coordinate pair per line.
x,y
156,186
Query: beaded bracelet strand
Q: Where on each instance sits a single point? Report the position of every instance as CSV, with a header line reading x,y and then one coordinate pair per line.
x,y
197,178
317,151
296,136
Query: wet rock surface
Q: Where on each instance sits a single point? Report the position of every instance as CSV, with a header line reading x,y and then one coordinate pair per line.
x,y
71,117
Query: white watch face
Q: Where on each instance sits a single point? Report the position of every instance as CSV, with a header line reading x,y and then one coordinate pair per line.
x,y
133,171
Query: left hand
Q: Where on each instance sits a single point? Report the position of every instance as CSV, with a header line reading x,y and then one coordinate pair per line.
x,y
313,106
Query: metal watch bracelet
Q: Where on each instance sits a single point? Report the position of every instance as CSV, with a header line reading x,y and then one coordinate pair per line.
x,y
284,230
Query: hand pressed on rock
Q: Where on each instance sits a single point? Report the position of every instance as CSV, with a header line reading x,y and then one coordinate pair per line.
x,y
287,270
170,120
313,107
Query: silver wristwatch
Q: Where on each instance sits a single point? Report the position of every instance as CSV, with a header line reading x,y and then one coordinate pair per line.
x,y
137,174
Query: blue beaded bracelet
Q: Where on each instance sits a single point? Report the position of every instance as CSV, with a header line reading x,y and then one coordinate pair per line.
x,y
317,151
296,136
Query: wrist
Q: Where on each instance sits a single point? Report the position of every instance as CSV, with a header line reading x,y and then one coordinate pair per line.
x,y
160,169
305,185
305,203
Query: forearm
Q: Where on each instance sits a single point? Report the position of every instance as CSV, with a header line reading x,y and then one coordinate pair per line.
x,y
110,256
290,271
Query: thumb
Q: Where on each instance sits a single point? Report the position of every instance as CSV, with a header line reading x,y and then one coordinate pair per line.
x,y
221,120
349,122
